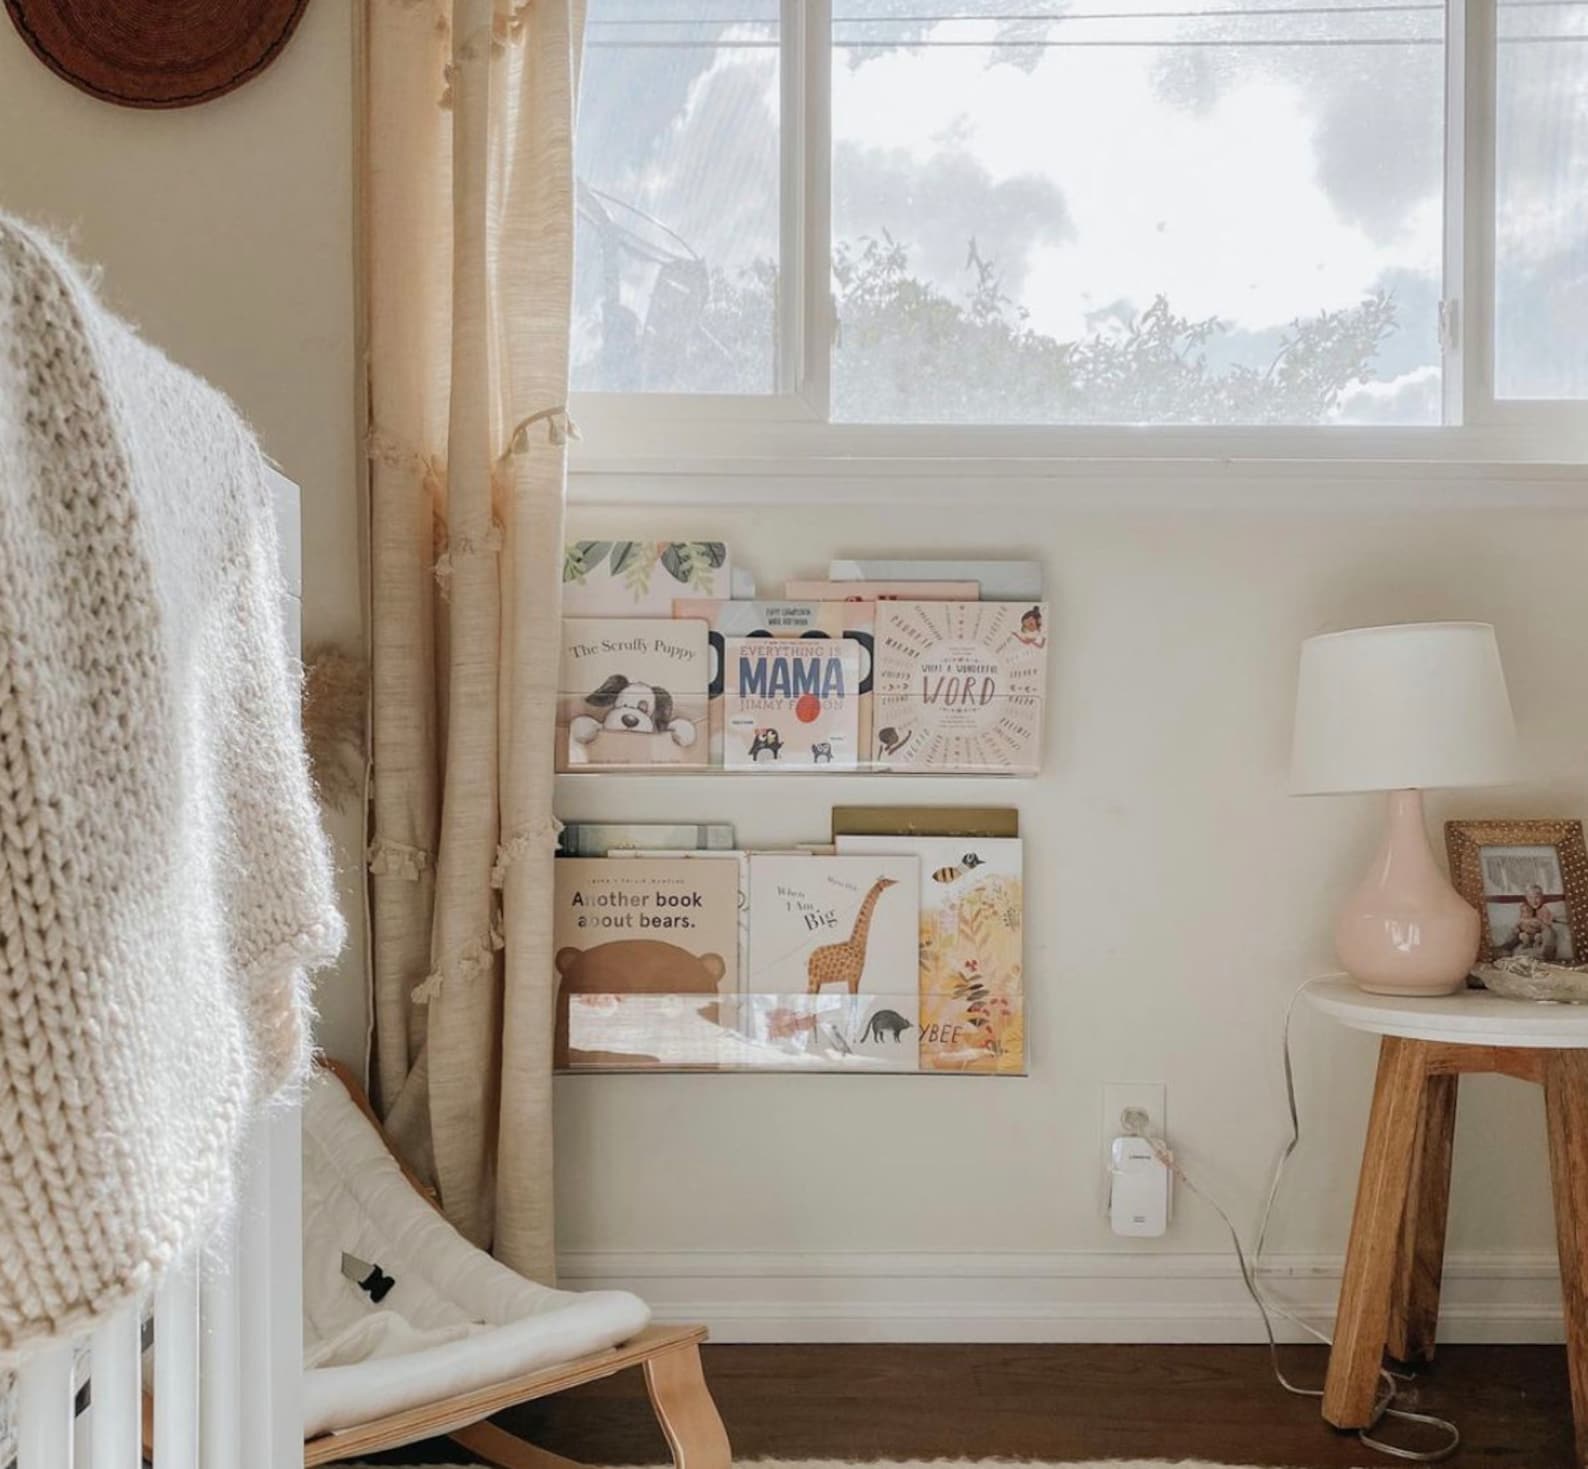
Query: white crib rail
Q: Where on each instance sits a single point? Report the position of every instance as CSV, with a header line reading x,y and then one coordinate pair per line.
x,y
228,1324
227,1349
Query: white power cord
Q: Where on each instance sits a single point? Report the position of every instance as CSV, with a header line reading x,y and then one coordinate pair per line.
x,y
1384,1407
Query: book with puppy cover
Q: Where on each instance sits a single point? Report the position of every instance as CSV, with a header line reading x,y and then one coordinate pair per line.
x,y
779,619
972,961
633,693
960,686
791,704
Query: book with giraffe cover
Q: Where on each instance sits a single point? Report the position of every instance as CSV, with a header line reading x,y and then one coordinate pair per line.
x,y
834,956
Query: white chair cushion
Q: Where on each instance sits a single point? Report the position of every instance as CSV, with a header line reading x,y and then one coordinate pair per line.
x,y
454,1320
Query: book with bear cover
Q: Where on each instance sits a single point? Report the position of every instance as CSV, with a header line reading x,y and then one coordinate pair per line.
x,y
641,578
780,619
833,959
647,962
741,861
972,954
960,686
633,693
791,704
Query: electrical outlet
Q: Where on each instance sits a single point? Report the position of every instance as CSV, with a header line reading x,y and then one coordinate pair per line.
x,y
1149,1097
1145,1096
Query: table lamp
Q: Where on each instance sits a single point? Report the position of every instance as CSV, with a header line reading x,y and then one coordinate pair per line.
x,y
1404,709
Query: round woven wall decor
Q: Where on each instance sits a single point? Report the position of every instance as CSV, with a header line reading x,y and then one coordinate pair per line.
x,y
156,53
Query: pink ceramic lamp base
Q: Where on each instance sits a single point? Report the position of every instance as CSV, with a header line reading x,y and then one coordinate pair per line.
x,y
1405,930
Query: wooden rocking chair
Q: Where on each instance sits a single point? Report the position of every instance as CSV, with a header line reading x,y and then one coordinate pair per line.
x,y
669,1356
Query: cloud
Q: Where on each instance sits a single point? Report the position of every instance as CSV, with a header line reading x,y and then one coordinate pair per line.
x,y
1414,397
937,205
1219,205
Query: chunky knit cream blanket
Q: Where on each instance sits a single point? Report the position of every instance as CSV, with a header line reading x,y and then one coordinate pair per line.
x,y
164,880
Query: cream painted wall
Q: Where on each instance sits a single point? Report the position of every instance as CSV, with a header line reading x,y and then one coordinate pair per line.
x,y
226,232
1176,895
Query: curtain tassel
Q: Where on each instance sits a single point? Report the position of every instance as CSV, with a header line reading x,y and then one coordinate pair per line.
x,y
560,427
396,859
473,961
542,836
487,545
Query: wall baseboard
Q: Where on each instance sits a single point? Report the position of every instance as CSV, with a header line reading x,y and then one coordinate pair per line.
x,y
1071,1296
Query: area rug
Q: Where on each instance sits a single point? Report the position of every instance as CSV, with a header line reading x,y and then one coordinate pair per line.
x,y
904,1464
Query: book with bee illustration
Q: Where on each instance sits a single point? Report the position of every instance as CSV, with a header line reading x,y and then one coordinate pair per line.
x,y
960,686
780,619
972,961
790,703
833,954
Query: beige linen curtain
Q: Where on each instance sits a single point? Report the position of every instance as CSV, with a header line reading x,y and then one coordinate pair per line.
x,y
468,227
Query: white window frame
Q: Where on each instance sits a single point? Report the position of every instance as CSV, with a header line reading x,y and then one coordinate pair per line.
x,y
789,428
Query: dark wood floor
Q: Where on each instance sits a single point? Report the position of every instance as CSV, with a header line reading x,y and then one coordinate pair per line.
x,y
1055,1403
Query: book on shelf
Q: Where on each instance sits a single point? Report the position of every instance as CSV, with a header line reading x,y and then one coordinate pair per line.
x,y
633,693
834,956
925,821
998,581
741,861
641,578
779,619
647,961
791,704
960,686
599,838
881,591
972,951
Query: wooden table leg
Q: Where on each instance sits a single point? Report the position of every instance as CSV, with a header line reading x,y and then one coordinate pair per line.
x,y
1566,1110
1361,1326
1420,1258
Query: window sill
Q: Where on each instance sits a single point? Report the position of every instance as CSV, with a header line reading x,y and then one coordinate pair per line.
x,y
723,435
1270,470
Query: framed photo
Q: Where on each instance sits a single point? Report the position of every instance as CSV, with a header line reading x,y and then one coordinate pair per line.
x,y
1529,882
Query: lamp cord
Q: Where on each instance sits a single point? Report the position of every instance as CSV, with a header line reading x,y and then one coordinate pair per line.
x,y
1251,1270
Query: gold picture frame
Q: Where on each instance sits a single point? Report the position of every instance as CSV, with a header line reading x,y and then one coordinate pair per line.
x,y
1530,890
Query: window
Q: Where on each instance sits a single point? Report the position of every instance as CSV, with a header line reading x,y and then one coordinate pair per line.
x,y
1541,214
678,199
1068,213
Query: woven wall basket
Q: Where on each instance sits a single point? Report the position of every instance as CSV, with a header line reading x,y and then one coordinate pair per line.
x,y
156,53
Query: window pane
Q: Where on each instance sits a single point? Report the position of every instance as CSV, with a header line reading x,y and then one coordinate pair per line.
x,y
677,169
1193,211
1541,200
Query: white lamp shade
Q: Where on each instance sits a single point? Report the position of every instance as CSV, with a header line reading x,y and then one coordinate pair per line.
x,y
1412,707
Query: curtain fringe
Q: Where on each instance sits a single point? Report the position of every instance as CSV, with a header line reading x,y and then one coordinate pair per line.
x,y
396,859
473,961
487,545
542,835
387,449
560,427
449,75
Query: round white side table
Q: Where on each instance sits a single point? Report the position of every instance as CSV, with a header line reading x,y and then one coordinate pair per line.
x,y
1389,1298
